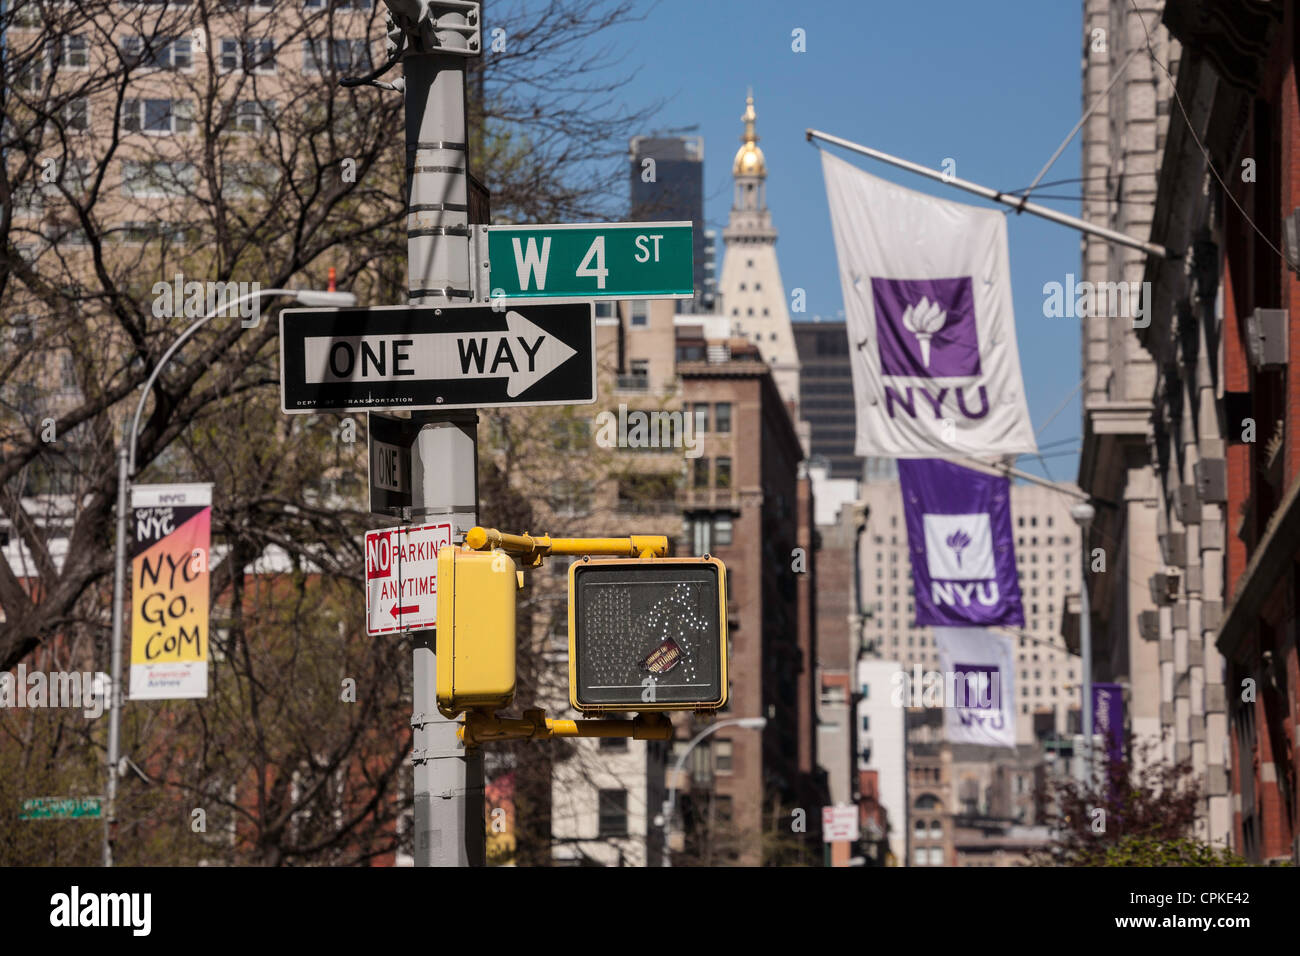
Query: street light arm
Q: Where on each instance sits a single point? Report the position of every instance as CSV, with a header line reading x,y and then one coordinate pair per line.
x,y
671,801
308,297
166,357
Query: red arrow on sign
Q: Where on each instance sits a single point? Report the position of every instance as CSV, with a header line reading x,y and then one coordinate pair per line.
x,y
413,609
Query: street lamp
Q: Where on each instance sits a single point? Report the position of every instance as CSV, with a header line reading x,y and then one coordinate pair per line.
x,y
670,804
125,472
1083,513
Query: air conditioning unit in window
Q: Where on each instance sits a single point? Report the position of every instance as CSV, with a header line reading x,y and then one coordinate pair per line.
x,y
1211,476
1164,586
1149,625
1266,338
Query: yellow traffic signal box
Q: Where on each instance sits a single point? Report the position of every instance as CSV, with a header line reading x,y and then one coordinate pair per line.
x,y
476,629
647,634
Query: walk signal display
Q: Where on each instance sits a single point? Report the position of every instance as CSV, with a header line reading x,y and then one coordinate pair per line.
x,y
476,629
647,634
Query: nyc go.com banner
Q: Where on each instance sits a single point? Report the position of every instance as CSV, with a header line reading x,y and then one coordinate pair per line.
x,y
170,533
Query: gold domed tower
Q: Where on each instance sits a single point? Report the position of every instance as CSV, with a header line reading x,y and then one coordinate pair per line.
x,y
753,296
749,158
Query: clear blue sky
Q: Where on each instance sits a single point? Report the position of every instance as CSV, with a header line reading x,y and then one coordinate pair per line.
x,y
994,85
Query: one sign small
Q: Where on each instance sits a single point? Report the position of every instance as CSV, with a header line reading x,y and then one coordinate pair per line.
x,y
61,808
390,462
402,577
840,824
607,260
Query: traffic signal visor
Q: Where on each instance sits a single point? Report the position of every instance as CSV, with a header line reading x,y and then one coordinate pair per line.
x,y
647,634
476,629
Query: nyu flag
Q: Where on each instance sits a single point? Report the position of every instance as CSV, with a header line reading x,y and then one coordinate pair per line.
x,y
927,296
1108,718
981,709
959,540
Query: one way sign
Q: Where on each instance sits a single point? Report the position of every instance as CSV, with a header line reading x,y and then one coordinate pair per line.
x,y
421,357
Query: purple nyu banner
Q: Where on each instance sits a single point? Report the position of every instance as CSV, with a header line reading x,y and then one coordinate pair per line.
x,y
1108,718
959,538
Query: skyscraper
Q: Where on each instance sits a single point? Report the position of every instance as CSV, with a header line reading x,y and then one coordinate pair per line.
x,y
666,177
826,395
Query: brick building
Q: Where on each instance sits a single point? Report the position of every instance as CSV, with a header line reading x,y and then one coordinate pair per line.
x,y
1226,412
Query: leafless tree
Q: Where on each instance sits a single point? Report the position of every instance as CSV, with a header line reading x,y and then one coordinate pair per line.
x,y
213,140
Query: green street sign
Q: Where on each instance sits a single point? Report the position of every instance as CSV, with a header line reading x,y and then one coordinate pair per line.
x,y
61,808
616,260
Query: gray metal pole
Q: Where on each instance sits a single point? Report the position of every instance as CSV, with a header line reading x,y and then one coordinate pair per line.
x,y
450,827
115,688
1007,199
1085,652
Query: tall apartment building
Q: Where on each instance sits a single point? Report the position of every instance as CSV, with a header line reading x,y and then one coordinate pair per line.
x,y
826,395
748,500
839,523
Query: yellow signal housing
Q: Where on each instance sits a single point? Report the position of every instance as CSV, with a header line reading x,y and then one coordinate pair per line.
x,y
476,629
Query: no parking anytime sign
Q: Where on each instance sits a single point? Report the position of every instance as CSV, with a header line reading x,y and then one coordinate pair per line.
x,y
402,577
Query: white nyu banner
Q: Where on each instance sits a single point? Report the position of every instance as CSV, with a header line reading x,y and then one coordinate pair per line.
x,y
927,296
981,708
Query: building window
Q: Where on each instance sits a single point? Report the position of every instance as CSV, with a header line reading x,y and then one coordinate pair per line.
x,y
157,116
604,309
346,56
613,813
250,116
70,52
76,115
640,314
253,56
701,473
157,53
722,417
722,478
157,180
613,743
866,723
722,756
701,410
722,531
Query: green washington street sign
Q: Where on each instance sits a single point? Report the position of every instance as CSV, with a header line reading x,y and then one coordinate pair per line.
x,y
61,808
615,260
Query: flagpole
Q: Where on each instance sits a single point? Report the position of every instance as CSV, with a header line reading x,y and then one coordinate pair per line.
x,y
1005,470
1007,199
